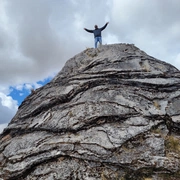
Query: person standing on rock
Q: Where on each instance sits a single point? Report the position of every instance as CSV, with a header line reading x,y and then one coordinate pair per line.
x,y
97,33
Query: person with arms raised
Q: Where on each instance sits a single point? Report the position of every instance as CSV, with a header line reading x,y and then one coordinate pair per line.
x,y
97,33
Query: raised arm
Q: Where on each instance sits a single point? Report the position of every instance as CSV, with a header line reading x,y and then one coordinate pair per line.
x,y
104,26
90,31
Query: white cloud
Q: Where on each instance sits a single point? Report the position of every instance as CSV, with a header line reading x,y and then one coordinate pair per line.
x,y
8,108
176,59
111,39
2,126
21,94
7,101
19,87
27,86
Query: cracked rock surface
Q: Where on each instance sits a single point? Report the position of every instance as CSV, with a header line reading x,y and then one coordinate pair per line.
x,y
110,113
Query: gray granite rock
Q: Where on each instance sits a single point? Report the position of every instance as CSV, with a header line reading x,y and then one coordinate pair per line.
x,y
110,113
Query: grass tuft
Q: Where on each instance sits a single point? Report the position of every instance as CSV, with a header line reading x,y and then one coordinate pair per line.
x,y
173,144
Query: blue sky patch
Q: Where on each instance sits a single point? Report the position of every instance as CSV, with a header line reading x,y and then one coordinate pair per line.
x,y
20,92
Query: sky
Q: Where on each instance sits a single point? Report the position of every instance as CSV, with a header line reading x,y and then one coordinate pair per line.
x,y
37,37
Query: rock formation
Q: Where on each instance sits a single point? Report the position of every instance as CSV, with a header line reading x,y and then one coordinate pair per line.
x,y
111,113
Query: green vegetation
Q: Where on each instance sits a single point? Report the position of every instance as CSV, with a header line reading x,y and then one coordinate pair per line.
x,y
174,176
172,144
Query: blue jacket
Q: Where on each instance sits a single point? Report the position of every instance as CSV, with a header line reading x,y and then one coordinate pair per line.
x,y
97,32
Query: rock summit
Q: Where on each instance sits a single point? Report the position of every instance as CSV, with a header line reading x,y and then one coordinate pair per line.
x,y
111,113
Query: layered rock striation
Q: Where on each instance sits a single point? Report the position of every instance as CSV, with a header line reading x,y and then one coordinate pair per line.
x,y
110,113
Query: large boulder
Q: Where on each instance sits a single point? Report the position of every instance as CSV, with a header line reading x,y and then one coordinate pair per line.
x,y
110,113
